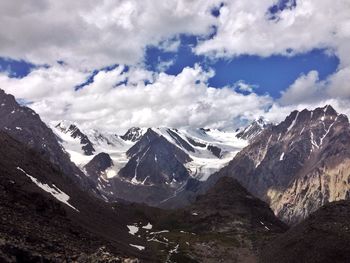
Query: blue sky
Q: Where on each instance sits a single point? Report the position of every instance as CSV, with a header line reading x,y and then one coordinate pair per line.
x,y
269,75
100,65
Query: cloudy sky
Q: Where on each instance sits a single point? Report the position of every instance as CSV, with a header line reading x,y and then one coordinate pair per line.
x,y
113,64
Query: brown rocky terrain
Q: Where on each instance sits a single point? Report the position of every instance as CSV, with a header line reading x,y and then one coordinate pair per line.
x,y
323,237
298,165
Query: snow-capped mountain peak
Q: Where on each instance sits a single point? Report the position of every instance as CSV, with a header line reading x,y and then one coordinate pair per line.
x,y
142,156
253,129
134,134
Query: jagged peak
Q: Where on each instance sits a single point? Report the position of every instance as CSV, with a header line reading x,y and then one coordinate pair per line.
x,y
296,118
262,121
65,125
134,134
253,129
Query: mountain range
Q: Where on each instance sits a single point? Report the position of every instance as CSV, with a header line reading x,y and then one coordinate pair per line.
x,y
155,163
264,193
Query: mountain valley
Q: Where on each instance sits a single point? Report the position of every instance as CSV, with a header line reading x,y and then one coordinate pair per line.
x,y
263,193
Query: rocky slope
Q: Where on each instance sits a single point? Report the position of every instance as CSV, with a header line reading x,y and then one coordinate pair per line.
x,y
227,224
154,160
45,217
74,132
297,165
323,237
253,129
133,134
25,125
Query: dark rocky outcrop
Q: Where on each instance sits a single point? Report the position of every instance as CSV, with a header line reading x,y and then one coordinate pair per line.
x,y
25,125
154,160
323,237
75,132
215,150
133,134
100,163
229,224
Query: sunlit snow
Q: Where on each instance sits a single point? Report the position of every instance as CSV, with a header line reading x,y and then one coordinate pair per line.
x,y
55,192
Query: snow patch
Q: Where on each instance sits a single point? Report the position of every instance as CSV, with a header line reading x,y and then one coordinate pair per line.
x,y
264,225
159,232
282,157
133,229
148,226
138,247
293,122
55,192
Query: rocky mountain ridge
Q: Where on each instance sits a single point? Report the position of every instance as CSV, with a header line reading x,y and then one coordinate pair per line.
x,y
298,165
151,165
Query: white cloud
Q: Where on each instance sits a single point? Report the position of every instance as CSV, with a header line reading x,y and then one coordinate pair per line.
x,y
170,45
88,34
244,28
309,92
339,84
175,101
306,88
241,85
164,65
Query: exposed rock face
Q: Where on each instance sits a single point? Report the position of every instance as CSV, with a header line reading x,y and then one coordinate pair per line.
x,y
133,134
297,165
323,237
25,125
154,160
154,172
179,141
215,150
74,132
253,130
100,163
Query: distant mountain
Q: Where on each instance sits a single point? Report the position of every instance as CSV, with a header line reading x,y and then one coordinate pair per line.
x,y
150,165
133,134
74,132
154,160
297,165
100,163
254,129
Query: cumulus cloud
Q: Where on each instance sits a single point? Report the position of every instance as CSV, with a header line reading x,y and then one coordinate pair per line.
x,y
307,88
166,100
241,85
244,27
88,34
